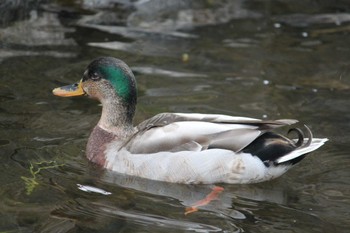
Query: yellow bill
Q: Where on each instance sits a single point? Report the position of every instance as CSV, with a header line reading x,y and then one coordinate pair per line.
x,y
69,90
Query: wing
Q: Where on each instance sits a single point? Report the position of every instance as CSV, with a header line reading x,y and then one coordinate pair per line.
x,y
163,119
196,132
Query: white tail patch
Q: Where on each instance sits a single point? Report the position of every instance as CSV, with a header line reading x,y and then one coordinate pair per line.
x,y
314,145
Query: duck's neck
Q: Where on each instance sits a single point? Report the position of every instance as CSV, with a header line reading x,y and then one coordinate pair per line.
x,y
116,118
115,125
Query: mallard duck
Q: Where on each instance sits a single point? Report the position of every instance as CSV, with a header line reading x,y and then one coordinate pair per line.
x,y
182,147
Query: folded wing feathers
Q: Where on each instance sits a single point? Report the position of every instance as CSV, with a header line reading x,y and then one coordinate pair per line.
x,y
234,140
189,146
167,118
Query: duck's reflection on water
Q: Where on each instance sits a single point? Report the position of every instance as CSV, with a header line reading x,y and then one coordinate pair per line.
x,y
136,201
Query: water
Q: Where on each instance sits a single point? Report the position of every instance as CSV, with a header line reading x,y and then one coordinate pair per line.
x,y
260,59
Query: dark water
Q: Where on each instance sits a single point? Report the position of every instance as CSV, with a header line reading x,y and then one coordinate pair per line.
x,y
264,59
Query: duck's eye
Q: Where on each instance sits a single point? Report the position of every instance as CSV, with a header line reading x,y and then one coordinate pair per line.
x,y
95,76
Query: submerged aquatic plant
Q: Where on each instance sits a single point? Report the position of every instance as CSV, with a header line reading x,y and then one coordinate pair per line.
x,y
31,182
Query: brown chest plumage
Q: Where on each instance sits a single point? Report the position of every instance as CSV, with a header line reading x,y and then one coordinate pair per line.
x,y
96,146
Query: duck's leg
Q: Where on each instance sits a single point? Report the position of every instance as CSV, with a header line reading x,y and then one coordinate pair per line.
x,y
213,195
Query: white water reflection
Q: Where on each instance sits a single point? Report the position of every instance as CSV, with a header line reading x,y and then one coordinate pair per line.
x,y
38,30
304,20
8,53
163,72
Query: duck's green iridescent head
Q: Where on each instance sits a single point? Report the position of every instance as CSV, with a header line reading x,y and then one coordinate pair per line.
x,y
106,79
107,71
102,75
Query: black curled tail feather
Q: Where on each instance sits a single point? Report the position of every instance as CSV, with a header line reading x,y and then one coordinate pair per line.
x,y
310,137
300,134
270,146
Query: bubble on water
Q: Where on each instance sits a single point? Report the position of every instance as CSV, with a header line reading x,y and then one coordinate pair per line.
x,y
277,25
266,82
